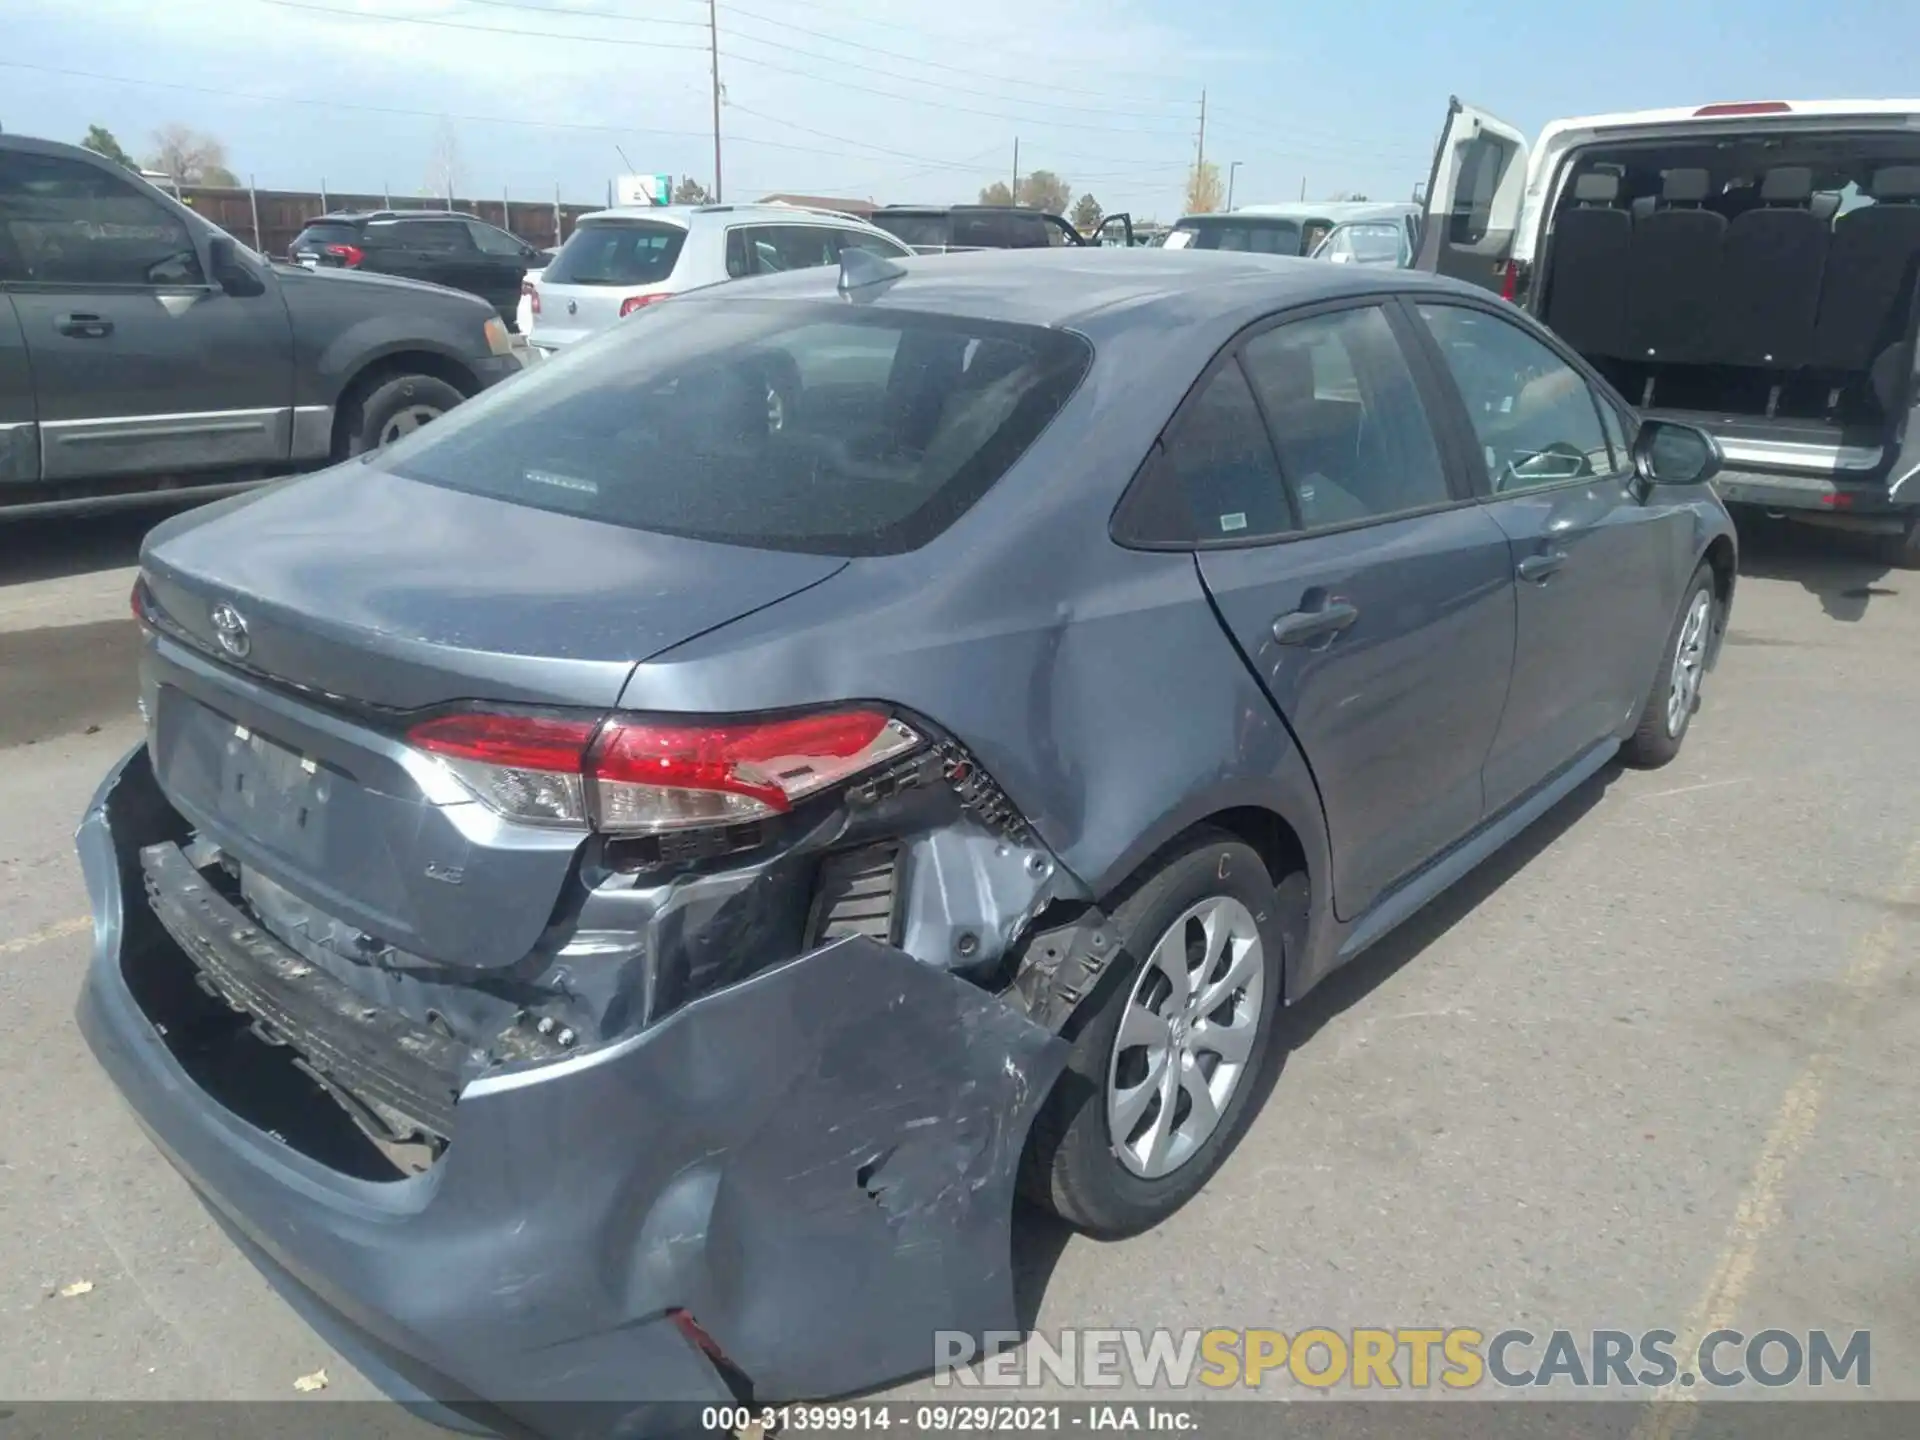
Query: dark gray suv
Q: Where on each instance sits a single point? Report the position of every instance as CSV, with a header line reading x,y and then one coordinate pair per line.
x,y
145,350
620,887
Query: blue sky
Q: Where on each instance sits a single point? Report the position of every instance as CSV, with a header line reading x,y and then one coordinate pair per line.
x,y
898,99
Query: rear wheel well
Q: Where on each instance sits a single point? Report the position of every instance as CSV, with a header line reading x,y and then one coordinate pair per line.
x,y
387,367
1270,837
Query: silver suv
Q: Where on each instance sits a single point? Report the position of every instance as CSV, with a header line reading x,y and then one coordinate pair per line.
x,y
620,260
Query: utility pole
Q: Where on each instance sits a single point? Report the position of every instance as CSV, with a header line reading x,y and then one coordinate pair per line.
x,y
1230,174
1200,151
713,47
1013,195
1303,187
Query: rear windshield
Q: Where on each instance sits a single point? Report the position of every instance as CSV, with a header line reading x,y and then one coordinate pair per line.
x,y
617,252
929,230
779,425
1262,237
315,236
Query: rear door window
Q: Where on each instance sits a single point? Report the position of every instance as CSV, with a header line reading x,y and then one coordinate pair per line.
x,y
987,232
617,252
1353,437
1213,477
443,237
778,248
862,240
892,423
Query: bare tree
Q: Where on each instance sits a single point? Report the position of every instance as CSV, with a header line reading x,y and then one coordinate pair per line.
x,y
1204,190
443,161
190,157
690,191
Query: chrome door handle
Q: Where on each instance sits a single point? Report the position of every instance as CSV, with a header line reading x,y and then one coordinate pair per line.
x,y
1303,627
1538,568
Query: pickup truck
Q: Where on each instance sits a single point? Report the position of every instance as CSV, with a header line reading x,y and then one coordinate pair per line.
x,y
145,352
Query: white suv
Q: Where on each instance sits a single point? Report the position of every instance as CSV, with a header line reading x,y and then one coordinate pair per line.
x,y
620,260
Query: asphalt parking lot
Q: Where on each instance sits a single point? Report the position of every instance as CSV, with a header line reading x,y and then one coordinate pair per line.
x,y
1651,1069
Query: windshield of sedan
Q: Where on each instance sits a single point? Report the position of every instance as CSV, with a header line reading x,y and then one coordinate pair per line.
x,y
804,426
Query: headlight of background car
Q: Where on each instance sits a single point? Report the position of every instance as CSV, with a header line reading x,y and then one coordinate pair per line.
x,y
498,340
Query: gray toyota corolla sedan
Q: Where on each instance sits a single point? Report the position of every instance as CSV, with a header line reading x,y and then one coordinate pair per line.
x,y
621,888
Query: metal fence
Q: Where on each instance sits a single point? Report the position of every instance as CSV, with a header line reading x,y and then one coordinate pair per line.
x,y
269,219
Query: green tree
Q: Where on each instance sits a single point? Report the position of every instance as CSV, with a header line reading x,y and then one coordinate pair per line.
x,y
1204,190
996,194
691,192
1087,214
100,140
1044,190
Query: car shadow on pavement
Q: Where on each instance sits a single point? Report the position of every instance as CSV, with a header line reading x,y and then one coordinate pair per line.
x,y
55,547
1841,569
1040,1238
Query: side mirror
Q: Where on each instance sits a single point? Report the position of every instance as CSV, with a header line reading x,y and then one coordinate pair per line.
x,y
1668,453
227,271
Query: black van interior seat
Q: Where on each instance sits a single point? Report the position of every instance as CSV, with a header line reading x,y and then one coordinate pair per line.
x,y
1587,299
1865,304
1772,259
1674,272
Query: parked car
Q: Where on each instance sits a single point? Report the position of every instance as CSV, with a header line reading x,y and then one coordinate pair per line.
x,y
619,261
144,350
1747,267
646,924
937,229
436,246
1390,237
1284,229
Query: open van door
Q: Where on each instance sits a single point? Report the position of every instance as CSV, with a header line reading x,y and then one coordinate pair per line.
x,y
1478,180
1115,230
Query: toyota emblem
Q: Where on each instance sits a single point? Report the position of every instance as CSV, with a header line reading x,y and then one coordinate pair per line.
x,y
573,307
230,629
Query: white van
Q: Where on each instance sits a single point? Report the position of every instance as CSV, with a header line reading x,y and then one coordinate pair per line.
x,y
1749,268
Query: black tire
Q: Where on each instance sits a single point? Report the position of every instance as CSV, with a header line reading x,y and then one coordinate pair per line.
x,y
1071,1166
1657,738
371,416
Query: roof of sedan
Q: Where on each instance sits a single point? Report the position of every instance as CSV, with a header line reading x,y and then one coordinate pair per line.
x,y
1068,286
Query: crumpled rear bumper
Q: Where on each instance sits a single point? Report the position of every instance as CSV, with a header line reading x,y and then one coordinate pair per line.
x,y
816,1164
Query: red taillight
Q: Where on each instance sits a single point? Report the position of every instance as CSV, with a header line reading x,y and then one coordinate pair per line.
x,y
1747,107
137,599
637,302
1510,281
528,289
348,255
635,776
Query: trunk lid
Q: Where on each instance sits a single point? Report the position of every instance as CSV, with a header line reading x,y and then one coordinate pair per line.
x,y
361,592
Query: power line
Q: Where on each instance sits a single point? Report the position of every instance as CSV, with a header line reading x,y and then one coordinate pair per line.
x,y
225,93
1040,121
1159,77
481,29
915,59
585,14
